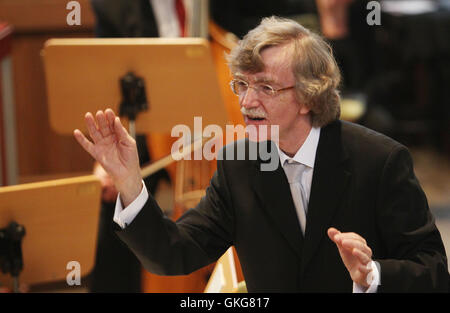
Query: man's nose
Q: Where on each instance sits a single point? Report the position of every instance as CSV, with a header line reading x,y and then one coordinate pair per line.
x,y
250,98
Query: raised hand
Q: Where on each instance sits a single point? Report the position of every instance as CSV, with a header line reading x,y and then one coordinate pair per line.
x,y
115,150
355,254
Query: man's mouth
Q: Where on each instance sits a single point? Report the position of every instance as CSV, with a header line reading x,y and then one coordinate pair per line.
x,y
255,118
253,115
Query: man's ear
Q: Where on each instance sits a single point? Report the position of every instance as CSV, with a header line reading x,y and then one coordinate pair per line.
x,y
304,109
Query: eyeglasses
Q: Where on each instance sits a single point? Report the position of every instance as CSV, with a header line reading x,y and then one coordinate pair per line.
x,y
240,87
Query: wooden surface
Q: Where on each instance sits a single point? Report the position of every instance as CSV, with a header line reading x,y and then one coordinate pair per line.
x,y
60,219
224,277
40,150
5,50
37,16
178,74
221,44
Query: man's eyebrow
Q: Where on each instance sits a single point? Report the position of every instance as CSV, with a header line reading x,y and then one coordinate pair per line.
x,y
240,76
267,80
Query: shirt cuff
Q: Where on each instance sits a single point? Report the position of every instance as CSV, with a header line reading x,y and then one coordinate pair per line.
x,y
124,217
373,278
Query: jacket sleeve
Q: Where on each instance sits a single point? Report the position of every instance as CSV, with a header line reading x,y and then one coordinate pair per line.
x,y
415,255
199,237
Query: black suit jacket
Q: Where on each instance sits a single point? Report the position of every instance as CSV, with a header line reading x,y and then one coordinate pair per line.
x,y
363,182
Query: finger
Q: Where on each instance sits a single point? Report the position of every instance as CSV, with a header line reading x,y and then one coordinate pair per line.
x,y
332,232
84,142
351,244
365,268
362,257
103,124
122,134
92,128
349,235
110,116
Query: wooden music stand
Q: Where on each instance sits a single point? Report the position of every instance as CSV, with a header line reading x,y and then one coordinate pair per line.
x,y
179,76
60,219
223,279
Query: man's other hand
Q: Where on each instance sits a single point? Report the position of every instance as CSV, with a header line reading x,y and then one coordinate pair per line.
x,y
355,254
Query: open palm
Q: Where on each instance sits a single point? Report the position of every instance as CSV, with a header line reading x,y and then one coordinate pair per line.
x,y
112,147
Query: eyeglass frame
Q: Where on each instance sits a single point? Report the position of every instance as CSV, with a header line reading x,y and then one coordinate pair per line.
x,y
273,91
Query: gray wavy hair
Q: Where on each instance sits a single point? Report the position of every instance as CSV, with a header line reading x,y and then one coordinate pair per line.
x,y
315,69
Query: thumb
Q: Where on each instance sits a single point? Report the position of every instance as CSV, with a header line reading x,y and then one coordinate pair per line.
x,y
332,232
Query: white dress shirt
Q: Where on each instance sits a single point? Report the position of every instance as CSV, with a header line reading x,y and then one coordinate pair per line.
x,y
306,156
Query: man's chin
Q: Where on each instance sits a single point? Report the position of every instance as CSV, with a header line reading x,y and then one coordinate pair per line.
x,y
260,130
258,140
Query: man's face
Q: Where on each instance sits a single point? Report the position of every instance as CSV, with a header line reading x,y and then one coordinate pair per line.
x,y
282,109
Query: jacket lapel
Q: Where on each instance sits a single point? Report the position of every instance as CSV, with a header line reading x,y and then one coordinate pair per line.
x,y
273,192
330,179
329,182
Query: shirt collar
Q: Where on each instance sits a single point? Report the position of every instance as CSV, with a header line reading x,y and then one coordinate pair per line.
x,y
306,155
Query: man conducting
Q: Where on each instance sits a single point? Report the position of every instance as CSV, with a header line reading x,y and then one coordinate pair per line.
x,y
342,212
